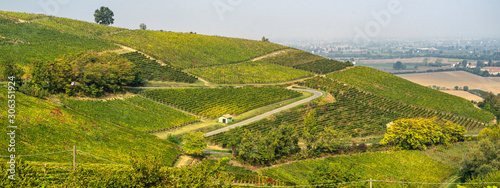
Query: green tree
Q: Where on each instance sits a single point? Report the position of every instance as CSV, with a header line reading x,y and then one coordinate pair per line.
x,y
233,140
143,26
439,62
456,87
466,88
398,66
492,133
10,69
425,61
481,161
194,143
330,140
104,16
264,39
490,103
417,133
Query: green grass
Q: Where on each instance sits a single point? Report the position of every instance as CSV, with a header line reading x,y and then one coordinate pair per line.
x,y
249,72
21,15
135,112
396,88
192,50
38,42
44,127
452,155
218,101
77,27
410,166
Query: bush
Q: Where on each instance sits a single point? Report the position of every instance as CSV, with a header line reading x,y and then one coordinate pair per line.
x,y
481,161
418,133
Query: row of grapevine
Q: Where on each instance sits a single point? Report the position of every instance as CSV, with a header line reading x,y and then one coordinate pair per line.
x,y
356,112
47,127
306,61
249,72
37,42
135,112
76,27
152,70
410,166
212,103
24,16
185,50
393,87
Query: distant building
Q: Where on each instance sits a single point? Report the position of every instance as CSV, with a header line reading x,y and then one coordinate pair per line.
x,y
491,70
226,118
471,65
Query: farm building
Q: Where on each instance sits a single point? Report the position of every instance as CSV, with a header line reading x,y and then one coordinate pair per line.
x,y
226,118
491,70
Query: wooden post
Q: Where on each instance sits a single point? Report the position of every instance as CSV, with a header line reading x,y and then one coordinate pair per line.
x,y
370,183
74,158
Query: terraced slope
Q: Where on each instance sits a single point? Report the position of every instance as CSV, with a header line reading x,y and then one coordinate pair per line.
x,y
185,50
134,112
393,87
44,128
306,61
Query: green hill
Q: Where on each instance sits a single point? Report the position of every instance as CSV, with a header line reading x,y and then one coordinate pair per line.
x,y
185,50
399,89
134,112
44,127
411,166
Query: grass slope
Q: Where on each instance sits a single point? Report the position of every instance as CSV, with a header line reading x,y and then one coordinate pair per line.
x,y
192,50
22,15
249,72
135,112
410,166
44,127
396,88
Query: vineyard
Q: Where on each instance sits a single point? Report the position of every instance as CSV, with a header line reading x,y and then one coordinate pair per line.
x,y
410,166
44,127
396,88
355,112
185,50
24,16
323,66
213,103
134,112
35,41
152,70
249,72
5,19
307,61
293,58
76,27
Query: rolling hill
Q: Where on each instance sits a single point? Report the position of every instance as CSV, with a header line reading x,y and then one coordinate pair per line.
x,y
393,87
44,127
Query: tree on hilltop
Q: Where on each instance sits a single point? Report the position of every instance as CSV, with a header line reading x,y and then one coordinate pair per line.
x,y
104,16
142,26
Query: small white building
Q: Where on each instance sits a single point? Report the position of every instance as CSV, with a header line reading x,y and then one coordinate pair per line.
x,y
226,118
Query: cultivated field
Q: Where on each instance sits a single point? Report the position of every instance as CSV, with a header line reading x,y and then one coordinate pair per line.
x,y
455,78
464,94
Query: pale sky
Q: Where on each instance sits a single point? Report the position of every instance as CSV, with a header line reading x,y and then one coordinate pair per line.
x,y
289,19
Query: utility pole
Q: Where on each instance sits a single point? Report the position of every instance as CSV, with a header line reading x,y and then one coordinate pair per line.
x,y
74,158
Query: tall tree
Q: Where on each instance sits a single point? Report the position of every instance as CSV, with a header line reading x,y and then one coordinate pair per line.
x,y
398,66
104,16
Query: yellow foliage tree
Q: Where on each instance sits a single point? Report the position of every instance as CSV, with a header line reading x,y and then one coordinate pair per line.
x,y
418,133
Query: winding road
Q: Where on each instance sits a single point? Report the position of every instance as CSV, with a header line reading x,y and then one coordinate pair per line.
x,y
316,94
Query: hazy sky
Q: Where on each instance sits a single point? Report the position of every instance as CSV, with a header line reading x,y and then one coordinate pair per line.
x,y
289,19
